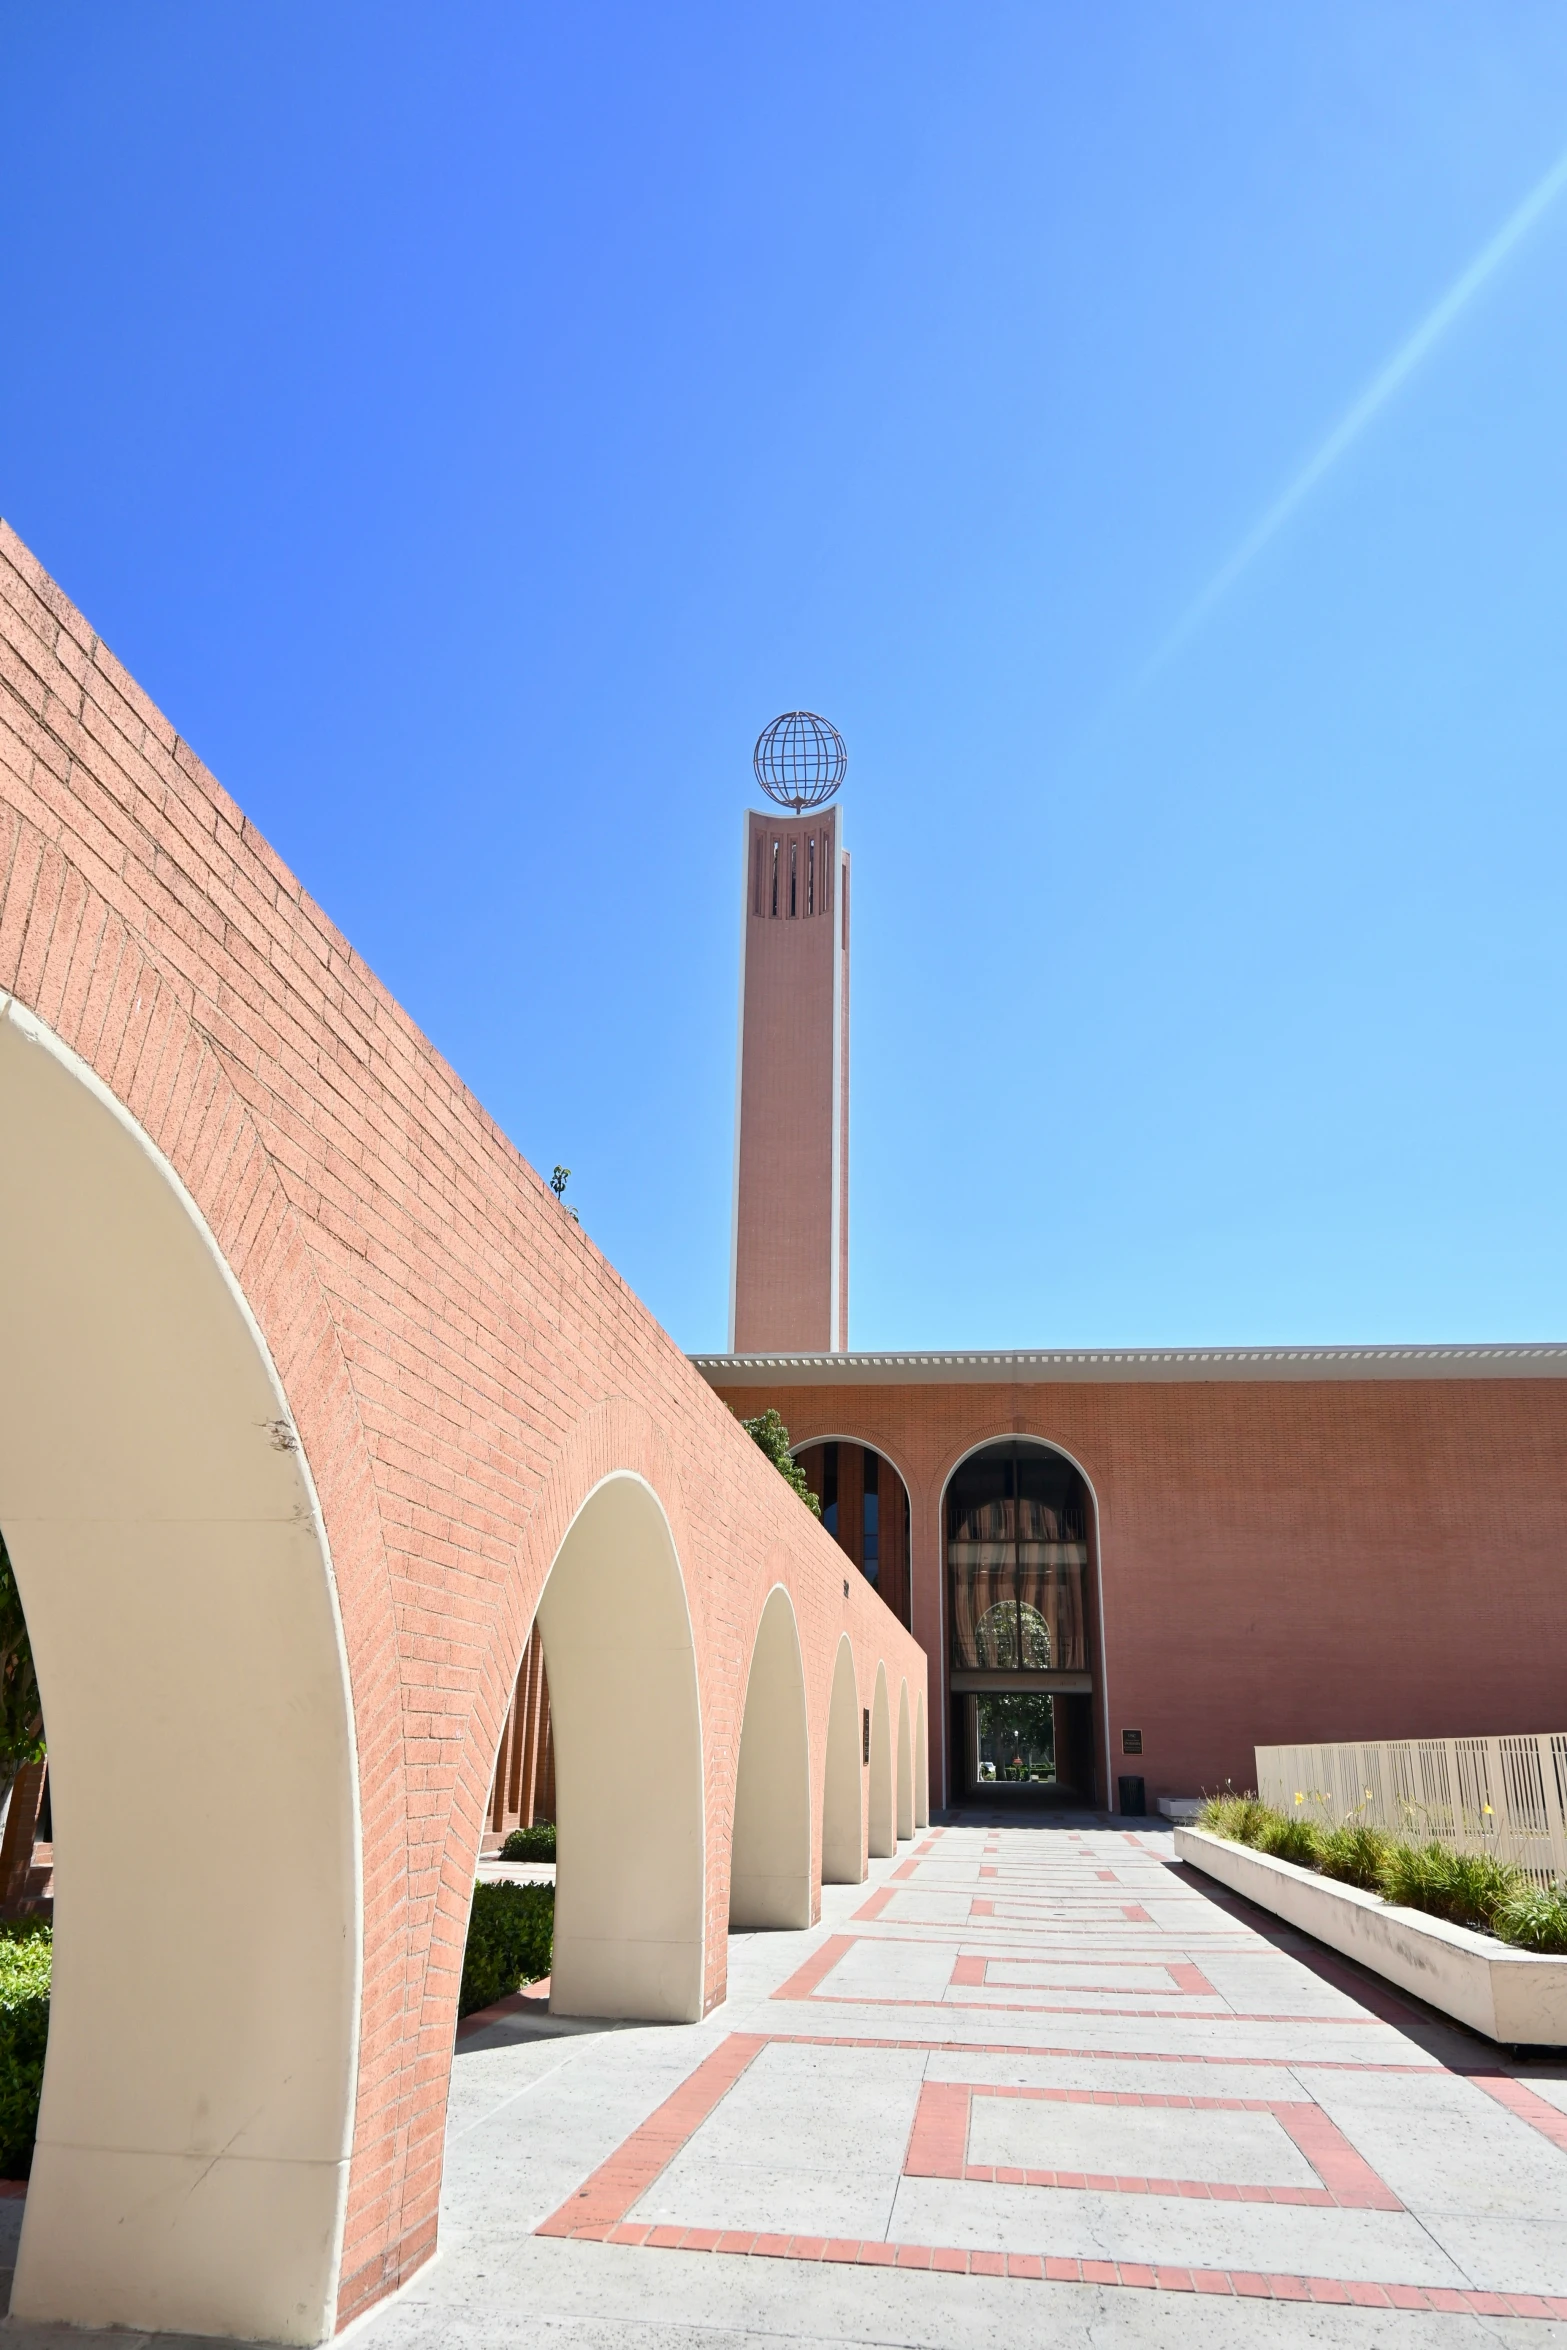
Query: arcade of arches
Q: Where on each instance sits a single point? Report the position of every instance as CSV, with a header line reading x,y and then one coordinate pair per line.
x,y
865,1508
312,1402
523,1790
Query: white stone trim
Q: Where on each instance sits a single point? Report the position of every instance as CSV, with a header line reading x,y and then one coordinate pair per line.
x,y
1138,1366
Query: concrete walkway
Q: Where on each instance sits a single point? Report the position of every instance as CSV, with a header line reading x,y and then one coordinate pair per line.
x,y
1030,2084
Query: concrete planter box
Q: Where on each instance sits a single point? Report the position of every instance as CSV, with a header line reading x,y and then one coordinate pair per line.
x,y
1515,1996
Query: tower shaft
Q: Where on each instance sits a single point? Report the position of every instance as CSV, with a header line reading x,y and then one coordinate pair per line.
x,y
789,1271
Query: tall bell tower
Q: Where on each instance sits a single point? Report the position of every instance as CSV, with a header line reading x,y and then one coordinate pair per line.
x,y
789,1249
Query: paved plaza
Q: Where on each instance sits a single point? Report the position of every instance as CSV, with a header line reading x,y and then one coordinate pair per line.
x,y
1030,2083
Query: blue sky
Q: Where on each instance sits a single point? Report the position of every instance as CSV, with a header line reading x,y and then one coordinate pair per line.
x,y
473,425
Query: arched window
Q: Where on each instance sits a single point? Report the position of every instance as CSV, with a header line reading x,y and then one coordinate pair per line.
x,y
865,1508
1017,1536
1017,1557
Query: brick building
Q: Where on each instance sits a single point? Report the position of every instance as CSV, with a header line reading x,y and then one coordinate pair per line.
x,y
1188,1553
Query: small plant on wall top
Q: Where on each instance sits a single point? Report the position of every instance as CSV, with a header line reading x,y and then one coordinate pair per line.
x,y
769,1434
558,1183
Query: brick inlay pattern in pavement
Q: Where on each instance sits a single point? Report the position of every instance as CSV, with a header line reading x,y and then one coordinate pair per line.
x,y
1030,2083
1100,2072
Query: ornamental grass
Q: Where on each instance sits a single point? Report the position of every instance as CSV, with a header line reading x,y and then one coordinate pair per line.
x,y
1534,1917
1466,1888
1355,1854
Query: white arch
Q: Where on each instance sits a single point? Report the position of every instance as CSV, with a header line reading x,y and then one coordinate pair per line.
x,y
1046,1444
921,1767
624,1714
883,1838
192,2162
770,1854
905,1766
843,1815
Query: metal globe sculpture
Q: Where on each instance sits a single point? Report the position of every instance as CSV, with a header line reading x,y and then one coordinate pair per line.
x,y
799,760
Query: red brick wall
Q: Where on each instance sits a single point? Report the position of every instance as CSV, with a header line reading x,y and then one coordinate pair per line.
x,y
1280,1561
462,1364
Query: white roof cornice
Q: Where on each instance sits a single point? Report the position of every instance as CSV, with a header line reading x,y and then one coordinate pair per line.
x,y
1136,1365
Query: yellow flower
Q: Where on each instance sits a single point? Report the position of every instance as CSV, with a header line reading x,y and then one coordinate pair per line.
x,y
1485,1807
1299,1798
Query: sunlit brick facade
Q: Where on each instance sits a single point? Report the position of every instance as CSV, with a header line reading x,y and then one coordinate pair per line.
x,y
1285,1545
789,1283
1190,1553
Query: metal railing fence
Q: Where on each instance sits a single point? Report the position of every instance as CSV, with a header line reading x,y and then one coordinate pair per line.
x,y
1505,1796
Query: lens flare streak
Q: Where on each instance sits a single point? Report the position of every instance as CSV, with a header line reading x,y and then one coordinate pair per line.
x,y
1372,400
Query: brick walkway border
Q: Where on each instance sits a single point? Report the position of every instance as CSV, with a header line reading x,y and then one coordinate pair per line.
x,y
596,2213
1228,2283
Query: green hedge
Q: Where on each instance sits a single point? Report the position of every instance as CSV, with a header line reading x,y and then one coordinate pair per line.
x,y
1466,1888
26,1953
535,1843
511,1930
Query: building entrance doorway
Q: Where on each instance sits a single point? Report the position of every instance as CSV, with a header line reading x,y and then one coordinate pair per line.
x,y
1019,1528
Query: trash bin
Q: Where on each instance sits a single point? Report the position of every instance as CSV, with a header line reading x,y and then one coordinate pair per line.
x,y
1132,1797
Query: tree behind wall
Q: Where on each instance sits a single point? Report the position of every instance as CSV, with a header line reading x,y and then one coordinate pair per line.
x,y
1022,1721
769,1434
21,1715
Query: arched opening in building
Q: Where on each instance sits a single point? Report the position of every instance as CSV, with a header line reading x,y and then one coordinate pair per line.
x,y
629,1908
905,1765
883,1822
770,1856
865,1508
191,2166
1019,1530
843,1822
